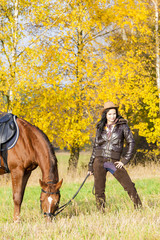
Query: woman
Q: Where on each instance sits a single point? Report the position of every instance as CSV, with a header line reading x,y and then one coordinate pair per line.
x,y
112,130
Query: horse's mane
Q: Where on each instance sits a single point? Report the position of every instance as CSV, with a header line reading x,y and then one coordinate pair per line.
x,y
50,145
53,158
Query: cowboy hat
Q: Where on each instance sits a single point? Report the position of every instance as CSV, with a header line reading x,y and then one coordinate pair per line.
x,y
108,105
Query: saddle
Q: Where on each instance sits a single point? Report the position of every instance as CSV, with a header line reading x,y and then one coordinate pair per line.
x,y
9,133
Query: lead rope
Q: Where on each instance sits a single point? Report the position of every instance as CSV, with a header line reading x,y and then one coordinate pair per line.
x,y
60,209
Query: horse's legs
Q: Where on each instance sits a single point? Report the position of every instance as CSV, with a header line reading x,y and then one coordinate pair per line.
x,y
19,181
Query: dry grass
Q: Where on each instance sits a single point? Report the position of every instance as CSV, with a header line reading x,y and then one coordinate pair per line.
x,y
122,225
81,220
150,170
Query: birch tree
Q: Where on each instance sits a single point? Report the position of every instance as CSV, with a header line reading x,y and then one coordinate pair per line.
x,y
18,36
156,11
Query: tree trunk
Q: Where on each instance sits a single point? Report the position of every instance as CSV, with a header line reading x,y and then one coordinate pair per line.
x,y
73,160
74,152
157,47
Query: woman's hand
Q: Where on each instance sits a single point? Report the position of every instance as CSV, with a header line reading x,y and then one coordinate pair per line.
x,y
119,164
90,173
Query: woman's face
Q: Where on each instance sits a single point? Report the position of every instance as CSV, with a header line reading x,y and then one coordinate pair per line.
x,y
111,116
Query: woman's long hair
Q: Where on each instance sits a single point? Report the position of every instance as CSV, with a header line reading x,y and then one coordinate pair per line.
x,y
101,124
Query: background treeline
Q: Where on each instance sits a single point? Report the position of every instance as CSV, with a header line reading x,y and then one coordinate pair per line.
x,y
61,60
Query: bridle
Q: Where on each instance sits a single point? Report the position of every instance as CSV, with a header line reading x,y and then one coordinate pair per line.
x,y
51,193
47,214
60,209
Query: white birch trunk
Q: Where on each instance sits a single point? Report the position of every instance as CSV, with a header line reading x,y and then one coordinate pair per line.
x,y
157,48
14,56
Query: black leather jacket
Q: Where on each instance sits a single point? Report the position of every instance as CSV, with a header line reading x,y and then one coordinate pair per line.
x,y
112,148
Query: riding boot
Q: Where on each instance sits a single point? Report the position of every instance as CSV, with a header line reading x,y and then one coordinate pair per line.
x,y
122,176
99,183
100,203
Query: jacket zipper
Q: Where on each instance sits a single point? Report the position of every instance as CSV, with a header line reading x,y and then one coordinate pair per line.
x,y
110,139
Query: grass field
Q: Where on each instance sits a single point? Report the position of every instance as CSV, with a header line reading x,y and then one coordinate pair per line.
x,y
81,220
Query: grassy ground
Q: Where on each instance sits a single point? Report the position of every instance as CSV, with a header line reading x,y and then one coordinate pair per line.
x,y
81,220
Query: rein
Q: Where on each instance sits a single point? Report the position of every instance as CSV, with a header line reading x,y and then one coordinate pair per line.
x,y
60,209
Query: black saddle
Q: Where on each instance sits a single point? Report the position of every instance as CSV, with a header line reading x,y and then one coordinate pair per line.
x,y
9,133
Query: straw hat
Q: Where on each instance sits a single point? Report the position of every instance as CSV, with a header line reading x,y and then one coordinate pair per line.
x,y
108,105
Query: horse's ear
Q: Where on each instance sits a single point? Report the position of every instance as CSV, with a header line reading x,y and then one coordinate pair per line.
x,y
42,184
59,184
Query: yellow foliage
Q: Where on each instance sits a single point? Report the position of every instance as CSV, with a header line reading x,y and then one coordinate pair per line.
x,y
75,56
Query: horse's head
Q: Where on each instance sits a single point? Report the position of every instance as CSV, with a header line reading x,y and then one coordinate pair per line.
x,y
50,197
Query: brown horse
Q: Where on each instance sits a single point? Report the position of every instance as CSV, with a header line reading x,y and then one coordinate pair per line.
x,y
33,149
